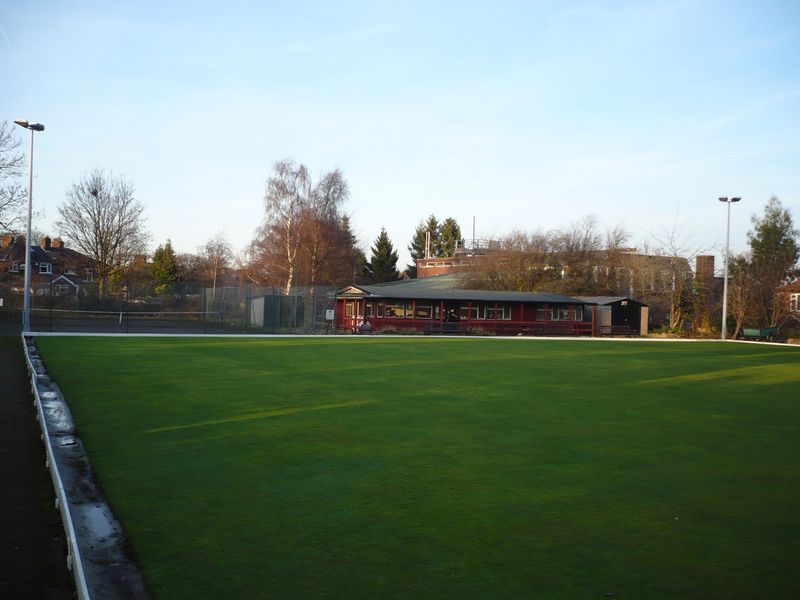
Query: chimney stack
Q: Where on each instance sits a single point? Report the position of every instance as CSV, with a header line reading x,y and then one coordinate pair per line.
x,y
44,243
6,240
57,243
704,267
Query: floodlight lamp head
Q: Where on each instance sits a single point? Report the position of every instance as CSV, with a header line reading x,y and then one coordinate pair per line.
x,y
735,199
28,125
723,199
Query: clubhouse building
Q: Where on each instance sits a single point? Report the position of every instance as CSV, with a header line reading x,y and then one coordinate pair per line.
x,y
431,305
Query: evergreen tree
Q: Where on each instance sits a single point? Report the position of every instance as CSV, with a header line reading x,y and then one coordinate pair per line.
x,y
383,263
445,237
417,245
361,273
165,268
449,237
775,250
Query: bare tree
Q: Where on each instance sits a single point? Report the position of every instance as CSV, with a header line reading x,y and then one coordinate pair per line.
x,y
519,261
675,272
12,196
741,291
104,220
571,260
577,250
213,258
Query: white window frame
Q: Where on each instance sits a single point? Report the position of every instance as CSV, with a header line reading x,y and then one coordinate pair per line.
x,y
424,306
45,268
506,308
395,310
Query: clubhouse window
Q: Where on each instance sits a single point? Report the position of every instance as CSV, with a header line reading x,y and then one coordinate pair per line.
x,y
423,311
562,313
395,310
502,311
476,312
368,310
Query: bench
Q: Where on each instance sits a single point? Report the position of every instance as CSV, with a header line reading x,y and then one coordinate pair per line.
x,y
758,333
446,328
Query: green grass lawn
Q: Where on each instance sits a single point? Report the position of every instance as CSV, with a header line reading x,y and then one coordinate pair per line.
x,y
428,468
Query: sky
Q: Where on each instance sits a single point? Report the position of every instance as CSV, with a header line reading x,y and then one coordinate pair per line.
x,y
512,115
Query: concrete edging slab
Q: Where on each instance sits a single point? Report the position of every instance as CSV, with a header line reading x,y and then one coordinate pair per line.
x,y
97,550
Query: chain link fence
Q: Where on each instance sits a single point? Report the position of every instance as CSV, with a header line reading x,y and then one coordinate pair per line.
x,y
192,309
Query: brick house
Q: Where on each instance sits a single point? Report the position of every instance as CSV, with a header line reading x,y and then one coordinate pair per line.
x,y
55,269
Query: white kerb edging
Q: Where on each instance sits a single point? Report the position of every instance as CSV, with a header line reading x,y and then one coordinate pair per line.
x,y
74,562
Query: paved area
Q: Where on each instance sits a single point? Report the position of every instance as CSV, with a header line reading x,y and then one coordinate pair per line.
x,y
33,551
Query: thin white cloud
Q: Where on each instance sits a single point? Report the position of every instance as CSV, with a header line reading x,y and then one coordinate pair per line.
x,y
578,11
16,62
753,108
352,37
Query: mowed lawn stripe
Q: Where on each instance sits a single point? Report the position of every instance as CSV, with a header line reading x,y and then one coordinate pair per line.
x,y
444,467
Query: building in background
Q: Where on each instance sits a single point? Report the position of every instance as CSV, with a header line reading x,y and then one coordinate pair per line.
x,y
55,269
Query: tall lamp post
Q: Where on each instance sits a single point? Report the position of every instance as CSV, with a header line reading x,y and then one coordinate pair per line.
x,y
26,308
727,201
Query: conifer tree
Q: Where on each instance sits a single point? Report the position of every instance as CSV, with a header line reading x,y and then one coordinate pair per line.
x,y
383,262
775,248
165,268
449,237
357,256
444,239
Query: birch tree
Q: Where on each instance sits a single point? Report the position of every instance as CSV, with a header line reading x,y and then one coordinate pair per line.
x,y
304,238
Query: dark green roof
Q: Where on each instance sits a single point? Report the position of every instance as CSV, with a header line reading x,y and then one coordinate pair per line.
x,y
444,287
605,300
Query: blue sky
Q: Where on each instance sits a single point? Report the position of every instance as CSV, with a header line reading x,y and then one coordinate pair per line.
x,y
525,115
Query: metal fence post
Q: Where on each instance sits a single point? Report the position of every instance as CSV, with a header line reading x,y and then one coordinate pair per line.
x,y
204,309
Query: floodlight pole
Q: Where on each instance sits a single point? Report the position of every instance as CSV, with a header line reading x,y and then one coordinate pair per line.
x,y
727,201
26,307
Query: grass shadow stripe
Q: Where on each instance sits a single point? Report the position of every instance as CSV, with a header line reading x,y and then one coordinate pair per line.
x,y
264,414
